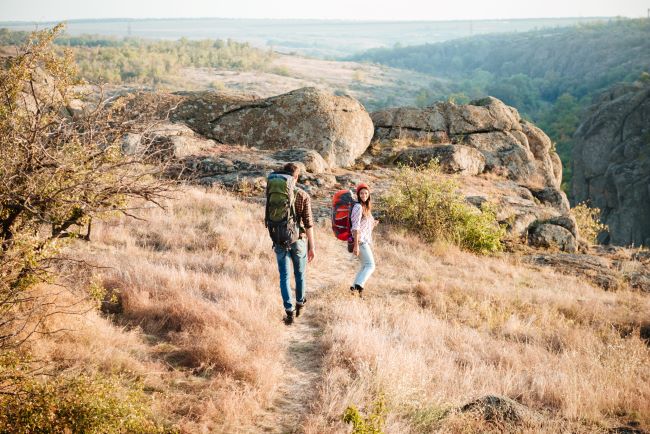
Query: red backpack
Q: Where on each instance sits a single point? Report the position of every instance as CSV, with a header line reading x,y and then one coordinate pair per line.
x,y
342,204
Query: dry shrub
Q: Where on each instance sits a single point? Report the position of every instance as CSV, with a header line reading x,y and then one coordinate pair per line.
x,y
588,221
202,295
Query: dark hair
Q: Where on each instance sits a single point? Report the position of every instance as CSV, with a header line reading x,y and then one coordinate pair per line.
x,y
292,169
366,207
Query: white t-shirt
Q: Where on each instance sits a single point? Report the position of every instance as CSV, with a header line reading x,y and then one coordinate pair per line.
x,y
362,224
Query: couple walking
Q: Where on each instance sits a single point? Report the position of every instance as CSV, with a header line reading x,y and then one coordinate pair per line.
x,y
299,252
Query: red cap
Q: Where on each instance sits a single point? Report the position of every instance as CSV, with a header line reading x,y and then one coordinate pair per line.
x,y
361,187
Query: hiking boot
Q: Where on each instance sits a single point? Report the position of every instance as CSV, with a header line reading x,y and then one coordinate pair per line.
x,y
288,320
352,289
299,307
360,289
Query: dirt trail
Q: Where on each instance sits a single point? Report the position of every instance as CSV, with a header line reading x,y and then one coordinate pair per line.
x,y
303,360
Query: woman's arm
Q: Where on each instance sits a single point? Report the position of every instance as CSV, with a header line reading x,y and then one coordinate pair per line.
x,y
356,224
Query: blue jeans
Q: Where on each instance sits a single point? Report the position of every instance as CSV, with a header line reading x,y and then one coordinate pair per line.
x,y
297,255
367,264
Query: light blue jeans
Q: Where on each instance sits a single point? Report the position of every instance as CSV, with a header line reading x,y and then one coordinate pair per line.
x,y
367,264
297,256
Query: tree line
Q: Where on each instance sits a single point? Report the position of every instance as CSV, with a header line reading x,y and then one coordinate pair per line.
x,y
135,60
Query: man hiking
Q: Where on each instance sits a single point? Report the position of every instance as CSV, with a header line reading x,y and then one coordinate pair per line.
x,y
290,223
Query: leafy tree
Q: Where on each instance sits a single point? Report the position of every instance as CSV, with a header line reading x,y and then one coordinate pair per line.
x,y
59,168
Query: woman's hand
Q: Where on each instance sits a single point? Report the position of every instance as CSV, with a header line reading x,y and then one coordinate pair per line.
x,y
356,250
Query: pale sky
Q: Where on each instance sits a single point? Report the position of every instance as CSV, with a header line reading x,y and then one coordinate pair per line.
x,y
54,10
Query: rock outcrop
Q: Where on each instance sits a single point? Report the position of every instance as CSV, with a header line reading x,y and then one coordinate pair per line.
x,y
485,136
611,162
511,146
452,158
236,140
337,127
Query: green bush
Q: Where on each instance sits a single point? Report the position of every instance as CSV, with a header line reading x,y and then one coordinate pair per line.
x,y
80,404
424,202
372,423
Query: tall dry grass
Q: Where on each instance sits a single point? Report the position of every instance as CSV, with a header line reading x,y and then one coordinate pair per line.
x,y
441,327
201,315
201,326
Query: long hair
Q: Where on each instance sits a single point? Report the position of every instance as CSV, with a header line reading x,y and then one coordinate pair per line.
x,y
366,207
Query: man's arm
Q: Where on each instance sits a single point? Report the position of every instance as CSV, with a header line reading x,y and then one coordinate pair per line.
x,y
311,247
308,221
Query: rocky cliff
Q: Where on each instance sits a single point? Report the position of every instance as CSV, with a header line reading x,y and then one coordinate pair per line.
x,y
611,162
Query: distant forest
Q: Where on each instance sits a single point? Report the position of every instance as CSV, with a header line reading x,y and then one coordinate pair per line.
x,y
549,75
135,60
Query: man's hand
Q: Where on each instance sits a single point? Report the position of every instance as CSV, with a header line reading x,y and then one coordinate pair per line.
x,y
356,250
310,254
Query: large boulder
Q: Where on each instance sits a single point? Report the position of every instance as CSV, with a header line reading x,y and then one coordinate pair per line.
x,y
513,148
552,236
611,162
311,159
452,158
166,140
198,110
337,127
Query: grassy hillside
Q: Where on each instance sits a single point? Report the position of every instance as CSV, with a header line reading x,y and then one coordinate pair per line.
x,y
550,75
198,323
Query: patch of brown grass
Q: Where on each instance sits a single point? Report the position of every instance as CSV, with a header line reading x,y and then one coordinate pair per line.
x,y
200,314
465,326
437,329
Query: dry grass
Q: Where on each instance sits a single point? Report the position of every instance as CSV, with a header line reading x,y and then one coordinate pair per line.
x,y
443,327
201,316
438,328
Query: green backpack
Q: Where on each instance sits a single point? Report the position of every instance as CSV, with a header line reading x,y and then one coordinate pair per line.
x,y
280,214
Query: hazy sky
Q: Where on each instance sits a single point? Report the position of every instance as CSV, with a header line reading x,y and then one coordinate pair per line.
x,y
45,10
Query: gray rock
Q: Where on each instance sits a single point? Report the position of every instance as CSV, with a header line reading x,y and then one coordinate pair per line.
x,y
311,159
198,109
553,197
428,119
568,222
512,147
500,409
476,201
519,223
552,236
131,143
505,156
166,140
487,114
401,133
452,158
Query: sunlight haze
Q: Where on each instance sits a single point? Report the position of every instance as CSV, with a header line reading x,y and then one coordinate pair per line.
x,y
46,10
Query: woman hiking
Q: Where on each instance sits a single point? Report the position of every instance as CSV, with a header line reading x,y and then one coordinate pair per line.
x,y
362,225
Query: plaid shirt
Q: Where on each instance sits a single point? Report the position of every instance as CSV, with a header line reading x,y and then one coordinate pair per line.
x,y
303,211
